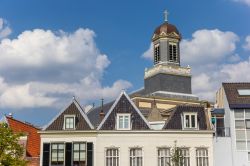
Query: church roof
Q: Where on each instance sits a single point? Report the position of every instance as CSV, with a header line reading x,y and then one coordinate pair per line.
x,y
166,28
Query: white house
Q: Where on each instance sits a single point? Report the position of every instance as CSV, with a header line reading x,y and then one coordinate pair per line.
x,y
232,141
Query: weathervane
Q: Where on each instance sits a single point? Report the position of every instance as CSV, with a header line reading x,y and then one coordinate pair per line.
x,y
166,16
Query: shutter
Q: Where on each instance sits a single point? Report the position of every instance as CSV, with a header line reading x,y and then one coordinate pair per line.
x,y
46,154
68,155
90,154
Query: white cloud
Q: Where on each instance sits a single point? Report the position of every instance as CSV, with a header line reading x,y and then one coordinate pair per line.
x,y
207,46
247,2
4,29
247,44
149,53
41,68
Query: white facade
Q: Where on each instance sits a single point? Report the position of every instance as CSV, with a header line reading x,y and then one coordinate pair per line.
x,y
148,141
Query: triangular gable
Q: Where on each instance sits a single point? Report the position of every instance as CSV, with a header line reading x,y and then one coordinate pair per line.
x,y
124,104
73,108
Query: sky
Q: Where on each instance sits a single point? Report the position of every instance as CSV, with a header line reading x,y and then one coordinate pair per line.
x,y
51,51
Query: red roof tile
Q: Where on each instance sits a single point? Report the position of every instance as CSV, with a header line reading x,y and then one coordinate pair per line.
x,y
33,137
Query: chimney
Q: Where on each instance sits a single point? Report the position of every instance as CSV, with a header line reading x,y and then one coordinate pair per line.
x,y
101,114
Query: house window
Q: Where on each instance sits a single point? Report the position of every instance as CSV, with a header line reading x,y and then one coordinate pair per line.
x,y
173,52
79,154
123,121
164,157
69,122
190,120
57,154
185,157
112,157
136,157
247,123
157,54
202,157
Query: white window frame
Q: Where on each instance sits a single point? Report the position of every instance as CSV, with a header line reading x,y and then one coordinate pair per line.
x,y
123,115
74,122
79,151
202,157
112,157
172,44
165,157
190,114
186,158
57,151
131,157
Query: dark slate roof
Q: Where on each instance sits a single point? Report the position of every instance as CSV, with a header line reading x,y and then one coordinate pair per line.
x,y
175,121
233,97
72,109
124,105
94,116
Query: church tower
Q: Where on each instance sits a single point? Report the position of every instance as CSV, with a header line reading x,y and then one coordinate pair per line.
x,y
167,75
166,40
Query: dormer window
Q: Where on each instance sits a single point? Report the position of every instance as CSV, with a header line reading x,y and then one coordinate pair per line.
x,y
190,120
123,121
69,122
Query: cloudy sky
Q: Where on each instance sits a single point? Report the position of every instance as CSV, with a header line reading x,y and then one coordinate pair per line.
x,y
53,50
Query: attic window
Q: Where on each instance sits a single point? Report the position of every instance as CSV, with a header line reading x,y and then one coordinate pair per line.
x,y
123,121
244,92
190,120
69,122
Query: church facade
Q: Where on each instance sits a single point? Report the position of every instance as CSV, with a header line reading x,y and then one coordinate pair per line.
x,y
138,129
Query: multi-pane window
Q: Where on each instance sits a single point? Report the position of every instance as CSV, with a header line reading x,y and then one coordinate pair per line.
x,y
202,157
241,129
190,120
173,52
69,122
157,54
112,157
57,154
185,157
79,154
123,121
136,157
164,157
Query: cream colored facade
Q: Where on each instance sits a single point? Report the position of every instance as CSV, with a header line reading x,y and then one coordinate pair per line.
x,y
149,141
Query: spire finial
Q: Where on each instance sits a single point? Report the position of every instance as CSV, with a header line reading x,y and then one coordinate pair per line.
x,y
166,15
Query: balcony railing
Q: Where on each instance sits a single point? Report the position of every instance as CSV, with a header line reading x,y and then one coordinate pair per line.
x,y
222,132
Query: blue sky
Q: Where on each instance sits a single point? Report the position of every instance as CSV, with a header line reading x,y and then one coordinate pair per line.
x,y
52,50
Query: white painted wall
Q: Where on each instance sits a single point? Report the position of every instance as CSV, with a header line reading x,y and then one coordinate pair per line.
x,y
149,144
223,151
148,141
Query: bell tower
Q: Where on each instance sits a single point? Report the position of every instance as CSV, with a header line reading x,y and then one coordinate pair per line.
x,y
166,39
167,75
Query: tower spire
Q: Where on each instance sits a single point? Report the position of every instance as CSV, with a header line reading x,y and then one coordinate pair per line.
x,y
166,15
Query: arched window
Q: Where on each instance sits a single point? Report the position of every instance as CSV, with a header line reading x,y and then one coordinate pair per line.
x,y
173,54
156,53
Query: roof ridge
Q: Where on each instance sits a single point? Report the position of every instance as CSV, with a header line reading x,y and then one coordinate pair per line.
x,y
23,122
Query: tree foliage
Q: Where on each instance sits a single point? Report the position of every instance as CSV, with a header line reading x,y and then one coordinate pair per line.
x,y
11,152
176,157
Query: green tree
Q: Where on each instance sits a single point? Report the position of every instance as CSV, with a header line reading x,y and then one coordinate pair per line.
x,y
176,157
11,152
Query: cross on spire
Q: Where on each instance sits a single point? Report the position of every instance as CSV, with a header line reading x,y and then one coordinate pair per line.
x,y
166,16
